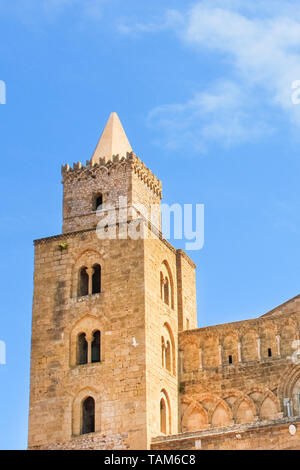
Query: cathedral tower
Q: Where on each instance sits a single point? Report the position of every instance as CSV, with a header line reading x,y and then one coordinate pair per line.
x,y
107,311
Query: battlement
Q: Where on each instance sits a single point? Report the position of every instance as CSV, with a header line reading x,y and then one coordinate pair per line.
x,y
105,165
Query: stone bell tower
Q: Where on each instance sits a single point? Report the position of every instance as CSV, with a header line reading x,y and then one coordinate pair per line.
x,y
107,311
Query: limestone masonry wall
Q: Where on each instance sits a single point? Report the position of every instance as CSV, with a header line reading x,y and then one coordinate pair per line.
x,y
118,382
117,361
243,372
271,436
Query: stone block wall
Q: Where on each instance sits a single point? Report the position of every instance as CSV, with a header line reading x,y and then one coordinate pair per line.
x,y
118,382
283,435
242,372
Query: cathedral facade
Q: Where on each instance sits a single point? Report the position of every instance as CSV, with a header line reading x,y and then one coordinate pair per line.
x,y
117,360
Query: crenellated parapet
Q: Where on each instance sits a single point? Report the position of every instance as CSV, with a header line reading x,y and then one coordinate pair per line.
x,y
130,162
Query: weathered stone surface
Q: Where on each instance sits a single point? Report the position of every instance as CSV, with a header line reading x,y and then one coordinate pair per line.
x,y
160,379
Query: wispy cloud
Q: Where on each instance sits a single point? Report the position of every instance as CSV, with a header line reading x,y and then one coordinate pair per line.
x,y
170,19
220,113
260,46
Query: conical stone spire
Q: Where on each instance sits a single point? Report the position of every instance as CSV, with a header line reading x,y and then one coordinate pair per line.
x,y
113,140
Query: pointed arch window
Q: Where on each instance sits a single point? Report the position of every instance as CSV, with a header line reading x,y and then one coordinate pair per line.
x,y
89,347
168,355
89,280
163,416
166,285
88,415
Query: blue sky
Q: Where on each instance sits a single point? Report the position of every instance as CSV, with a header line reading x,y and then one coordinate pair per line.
x,y
203,90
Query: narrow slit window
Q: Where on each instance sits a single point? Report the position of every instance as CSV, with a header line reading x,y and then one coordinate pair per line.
x,y
269,352
230,359
83,284
163,417
82,349
96,281
98,202
162,351
166,291
168,356
96,346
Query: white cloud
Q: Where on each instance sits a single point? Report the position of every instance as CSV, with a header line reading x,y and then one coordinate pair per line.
x,y
218,114
260,46
170,20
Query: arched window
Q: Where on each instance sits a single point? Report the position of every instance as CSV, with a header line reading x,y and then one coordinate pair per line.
x,y
96,345
163,347
98,201
168,349
88,415
166,291
166,284
96,281
83,284
161,285
163,416
82,349
168,356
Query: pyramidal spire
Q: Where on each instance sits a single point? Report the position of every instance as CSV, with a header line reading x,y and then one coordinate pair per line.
x,y
113,140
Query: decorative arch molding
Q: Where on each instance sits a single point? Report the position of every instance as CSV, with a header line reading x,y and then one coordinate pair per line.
x,y
165,397
249,413
210,350
194,418
274,403
88,324
249,345
229,344
208,335
88,258
77,409
288,334
167,329
224,419
268,340
289,322
229,335
207,397
287,383
252,328
189,339
232,393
